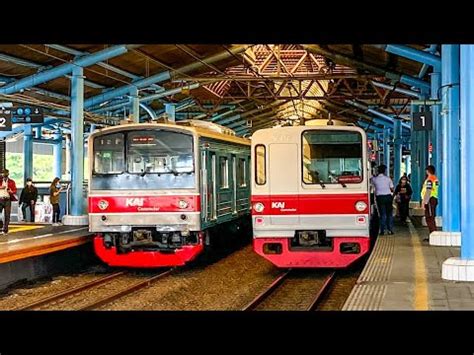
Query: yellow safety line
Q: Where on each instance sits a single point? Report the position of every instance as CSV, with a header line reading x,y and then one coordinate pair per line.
x,y
420,301
16,229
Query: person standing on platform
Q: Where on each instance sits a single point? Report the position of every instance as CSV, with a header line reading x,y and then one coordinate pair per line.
x,y
54,191
403,193
7,195
429,194
28,198
383,186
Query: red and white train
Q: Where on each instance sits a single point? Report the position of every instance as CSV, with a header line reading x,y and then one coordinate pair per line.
x,y
160,193
311,195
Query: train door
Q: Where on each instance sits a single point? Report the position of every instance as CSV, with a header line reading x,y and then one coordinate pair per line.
x,y
204,187
213,189
284,183
234,184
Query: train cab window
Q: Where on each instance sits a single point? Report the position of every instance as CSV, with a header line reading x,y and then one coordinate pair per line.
x,y
242,173
159,152
260,170
109,154
224,172
332,157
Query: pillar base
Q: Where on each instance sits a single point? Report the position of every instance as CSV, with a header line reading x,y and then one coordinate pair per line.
x,y
438,219
446,239
457,269
69,220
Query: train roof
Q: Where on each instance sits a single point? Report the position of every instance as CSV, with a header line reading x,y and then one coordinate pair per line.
x,y
200,128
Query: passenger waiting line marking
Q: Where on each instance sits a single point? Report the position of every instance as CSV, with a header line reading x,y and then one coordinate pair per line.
x,y
420,301
18,240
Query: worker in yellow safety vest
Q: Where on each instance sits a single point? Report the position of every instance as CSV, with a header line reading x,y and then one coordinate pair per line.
x,y
429,194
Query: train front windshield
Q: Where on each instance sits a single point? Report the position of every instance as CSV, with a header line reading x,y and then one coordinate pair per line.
x,y
143,160
332,157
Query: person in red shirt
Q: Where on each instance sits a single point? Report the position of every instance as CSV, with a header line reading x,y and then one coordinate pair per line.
x,y
7,195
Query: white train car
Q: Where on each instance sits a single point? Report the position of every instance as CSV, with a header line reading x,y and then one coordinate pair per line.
x,y
310,195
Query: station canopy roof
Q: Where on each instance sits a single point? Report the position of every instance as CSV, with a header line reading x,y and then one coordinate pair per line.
x,y
266,84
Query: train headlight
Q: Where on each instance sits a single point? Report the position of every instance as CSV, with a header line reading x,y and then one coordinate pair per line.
x,y
103,204
182,204
360,206
258,207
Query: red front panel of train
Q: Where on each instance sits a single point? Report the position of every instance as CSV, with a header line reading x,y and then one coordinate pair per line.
x,y
151,204
310,204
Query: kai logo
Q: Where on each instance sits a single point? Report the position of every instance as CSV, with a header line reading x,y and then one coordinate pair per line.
x,y
134,202
278,205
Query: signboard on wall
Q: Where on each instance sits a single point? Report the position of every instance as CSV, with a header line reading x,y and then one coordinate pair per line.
x,y
27,114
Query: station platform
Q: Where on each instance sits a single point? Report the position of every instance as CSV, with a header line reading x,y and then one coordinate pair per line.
x,y
31,251
404,273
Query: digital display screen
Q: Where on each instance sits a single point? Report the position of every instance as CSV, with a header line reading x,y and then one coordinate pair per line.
x,y
143,140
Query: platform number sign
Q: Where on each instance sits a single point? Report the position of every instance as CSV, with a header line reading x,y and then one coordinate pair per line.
x,y
422,121
5,119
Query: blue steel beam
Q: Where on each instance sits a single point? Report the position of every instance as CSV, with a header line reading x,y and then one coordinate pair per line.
x,y
30,64
161,77
63,69
414,54
467,152
432,49
107,66
451,198
386,149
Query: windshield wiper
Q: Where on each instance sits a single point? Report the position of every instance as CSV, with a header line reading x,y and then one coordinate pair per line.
x,y
143,173
322,184
343,185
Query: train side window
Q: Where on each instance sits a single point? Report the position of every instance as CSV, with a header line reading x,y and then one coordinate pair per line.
x,y
224,172
242,173
260,162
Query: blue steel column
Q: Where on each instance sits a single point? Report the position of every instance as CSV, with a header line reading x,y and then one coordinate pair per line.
x,y
397,150
437,137
77,141
170,110
58,156
386,150
415,159
450,183
28,152
134,105
467,151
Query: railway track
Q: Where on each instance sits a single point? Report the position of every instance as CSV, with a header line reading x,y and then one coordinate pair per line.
x,y
299,292
75,293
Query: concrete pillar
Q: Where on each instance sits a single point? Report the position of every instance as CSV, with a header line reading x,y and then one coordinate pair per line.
x,y
397,150
27,152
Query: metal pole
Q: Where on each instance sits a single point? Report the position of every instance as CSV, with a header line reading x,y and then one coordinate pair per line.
x,y
437,136
77,131
28,152
397,150
134,105
451,155
170,110
58,157
386,149
415,160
